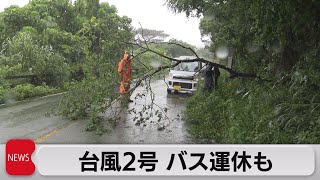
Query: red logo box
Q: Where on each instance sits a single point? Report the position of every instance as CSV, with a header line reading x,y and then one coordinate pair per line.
x,y
18,157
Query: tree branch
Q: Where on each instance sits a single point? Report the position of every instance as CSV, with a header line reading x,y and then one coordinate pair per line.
x,y
233,74
177,44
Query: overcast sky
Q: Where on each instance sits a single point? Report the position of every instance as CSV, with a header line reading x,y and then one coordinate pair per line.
x,y
152,14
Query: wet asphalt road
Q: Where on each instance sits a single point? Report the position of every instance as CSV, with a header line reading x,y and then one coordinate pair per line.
x,y
30,119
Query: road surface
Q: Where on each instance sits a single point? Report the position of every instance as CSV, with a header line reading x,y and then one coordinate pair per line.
x,y
32,120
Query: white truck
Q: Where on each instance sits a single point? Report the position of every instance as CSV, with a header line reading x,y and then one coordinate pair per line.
x,y
184,77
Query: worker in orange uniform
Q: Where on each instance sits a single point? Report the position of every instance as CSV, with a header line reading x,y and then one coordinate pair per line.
x,y
124,68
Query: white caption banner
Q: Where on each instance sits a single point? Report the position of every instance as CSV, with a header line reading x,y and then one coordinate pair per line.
x,y
175,160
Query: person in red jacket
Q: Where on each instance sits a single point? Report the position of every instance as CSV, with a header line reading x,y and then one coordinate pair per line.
x,y
124,69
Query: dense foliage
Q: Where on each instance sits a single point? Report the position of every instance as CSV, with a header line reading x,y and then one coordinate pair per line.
x,y
62,45
264,113
278,40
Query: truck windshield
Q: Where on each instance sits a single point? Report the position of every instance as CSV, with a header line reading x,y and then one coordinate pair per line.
x,y
190,67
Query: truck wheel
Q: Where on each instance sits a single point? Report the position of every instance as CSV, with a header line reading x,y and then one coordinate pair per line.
x,y
169,91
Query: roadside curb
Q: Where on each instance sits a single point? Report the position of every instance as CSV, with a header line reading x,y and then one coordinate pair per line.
x,y
31,99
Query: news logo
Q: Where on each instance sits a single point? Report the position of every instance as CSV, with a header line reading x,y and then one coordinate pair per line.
x,y
18,157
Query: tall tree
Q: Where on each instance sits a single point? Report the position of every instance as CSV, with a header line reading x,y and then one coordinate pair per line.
x,y
275,34
151,35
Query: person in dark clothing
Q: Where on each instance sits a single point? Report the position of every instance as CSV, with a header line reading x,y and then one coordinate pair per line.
x,y
208,78
216,74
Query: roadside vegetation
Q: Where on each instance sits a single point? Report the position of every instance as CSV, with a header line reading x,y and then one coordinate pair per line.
x,y
246,112
24,91
279,42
